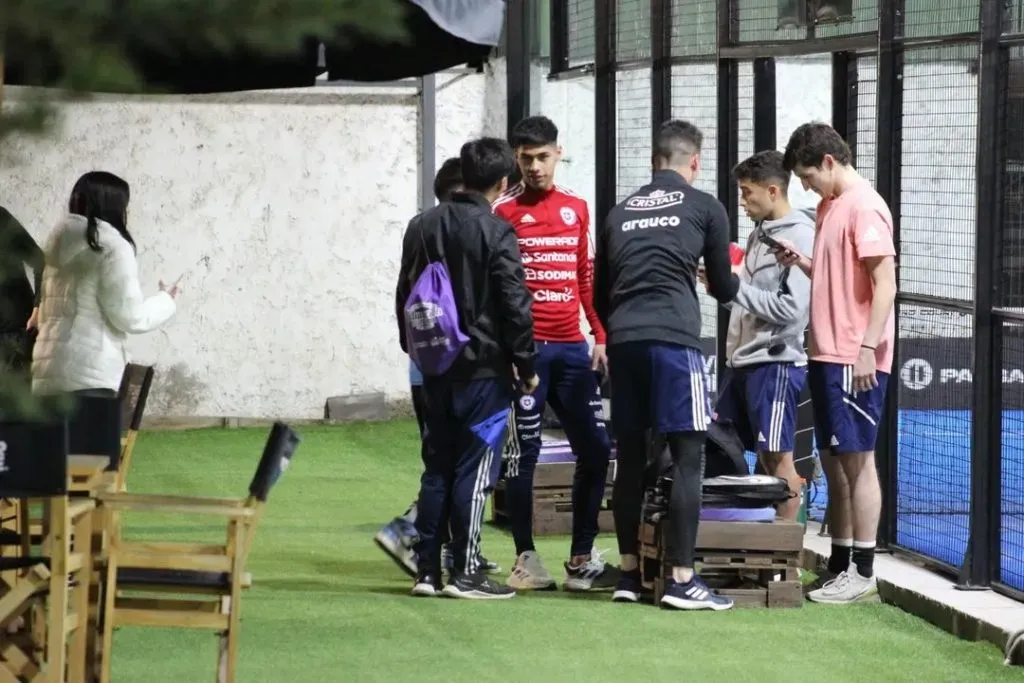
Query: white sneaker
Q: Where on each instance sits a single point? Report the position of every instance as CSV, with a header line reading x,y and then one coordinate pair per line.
x,y
529,574
847,588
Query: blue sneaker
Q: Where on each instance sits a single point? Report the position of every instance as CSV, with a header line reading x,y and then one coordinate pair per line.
x,y
397,540
693,595
630,587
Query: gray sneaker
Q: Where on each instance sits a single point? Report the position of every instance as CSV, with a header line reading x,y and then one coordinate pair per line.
x,y
529,574
593,575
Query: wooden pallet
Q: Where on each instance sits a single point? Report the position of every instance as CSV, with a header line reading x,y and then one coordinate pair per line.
x,y
552,510
754,563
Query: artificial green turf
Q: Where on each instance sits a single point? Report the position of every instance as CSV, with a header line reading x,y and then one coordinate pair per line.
x,y
327,605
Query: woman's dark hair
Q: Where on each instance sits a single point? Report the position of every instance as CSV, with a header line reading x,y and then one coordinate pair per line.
x,y
101,196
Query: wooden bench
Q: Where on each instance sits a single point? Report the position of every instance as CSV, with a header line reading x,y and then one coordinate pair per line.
x,y
757,564
552,492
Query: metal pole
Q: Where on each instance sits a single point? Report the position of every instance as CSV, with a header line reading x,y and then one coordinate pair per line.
x,y
728,154
982,560
559,17
661,69
765,123
888,174
844,98
428,139
517,62
605,149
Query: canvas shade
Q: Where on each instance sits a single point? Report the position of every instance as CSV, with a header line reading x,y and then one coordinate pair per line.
x,y
442,34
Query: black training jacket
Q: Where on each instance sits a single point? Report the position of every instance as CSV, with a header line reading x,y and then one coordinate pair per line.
x,y
645,268
482,256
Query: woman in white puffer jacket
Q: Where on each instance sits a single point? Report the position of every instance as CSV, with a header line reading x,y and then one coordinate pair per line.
x,y
91,298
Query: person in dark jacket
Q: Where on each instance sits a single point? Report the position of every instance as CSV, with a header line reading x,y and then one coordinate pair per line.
x,y
18,297
398,537
645,292
482,257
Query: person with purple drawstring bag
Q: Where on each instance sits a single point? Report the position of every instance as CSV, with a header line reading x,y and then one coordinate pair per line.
x,y
464,318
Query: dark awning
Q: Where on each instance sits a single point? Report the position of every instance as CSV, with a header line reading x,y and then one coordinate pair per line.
x,y
441,34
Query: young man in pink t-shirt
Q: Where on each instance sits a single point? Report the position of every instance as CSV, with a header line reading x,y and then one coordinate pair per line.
x,y
853,286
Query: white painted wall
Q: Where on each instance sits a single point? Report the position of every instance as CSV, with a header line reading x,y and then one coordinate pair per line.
x,y
286,209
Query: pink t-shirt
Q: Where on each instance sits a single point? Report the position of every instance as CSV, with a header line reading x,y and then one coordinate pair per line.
x,y
853,226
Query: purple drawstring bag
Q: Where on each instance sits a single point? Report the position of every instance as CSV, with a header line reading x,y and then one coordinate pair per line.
x,y
432,332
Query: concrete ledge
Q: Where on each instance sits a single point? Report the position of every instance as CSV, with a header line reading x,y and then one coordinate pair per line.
x,y
972,615
358,408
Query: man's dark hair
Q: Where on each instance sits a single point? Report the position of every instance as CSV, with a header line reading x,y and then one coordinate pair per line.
x,y
677,141
485,162
764,168
534,131
809,144
448,179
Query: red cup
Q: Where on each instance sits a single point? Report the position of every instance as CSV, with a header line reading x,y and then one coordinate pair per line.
x,y
736,254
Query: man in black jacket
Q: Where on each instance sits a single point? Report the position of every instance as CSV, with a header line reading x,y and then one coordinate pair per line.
x,y
461,456
645,292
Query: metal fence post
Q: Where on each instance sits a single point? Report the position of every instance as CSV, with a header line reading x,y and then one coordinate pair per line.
x,y
728,151
981,562
765,121
517,62
605,149
889,127
661,68
558,16
844,98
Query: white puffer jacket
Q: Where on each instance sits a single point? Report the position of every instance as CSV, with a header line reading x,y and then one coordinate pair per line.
x,y
91,302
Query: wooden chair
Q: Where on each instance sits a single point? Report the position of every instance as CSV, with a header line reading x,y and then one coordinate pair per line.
x,y
200,584
135,385
34,465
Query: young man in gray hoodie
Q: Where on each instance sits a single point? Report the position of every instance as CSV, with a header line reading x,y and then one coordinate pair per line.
x,y
765,345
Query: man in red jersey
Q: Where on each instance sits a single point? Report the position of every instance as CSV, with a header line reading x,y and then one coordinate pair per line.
x,y
553,227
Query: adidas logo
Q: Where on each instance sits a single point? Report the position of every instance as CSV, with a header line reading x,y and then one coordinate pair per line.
x,y
834,441
528,219
760,436
871,235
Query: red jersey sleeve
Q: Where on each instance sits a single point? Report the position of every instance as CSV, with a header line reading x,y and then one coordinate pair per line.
x,y
585,275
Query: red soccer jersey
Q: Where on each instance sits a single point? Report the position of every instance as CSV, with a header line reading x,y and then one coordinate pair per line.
x,y
553,228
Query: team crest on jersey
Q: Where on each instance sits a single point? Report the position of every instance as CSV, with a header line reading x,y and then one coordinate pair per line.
x,y
568,215
527,402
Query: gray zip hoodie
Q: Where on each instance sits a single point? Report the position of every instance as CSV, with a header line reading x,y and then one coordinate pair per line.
x,y
771,310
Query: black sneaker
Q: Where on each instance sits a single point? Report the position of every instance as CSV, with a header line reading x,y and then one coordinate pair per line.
x,y
476,587
427,585
488,566
630,587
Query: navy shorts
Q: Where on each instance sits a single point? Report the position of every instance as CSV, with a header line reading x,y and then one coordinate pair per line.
x,y
657,386
845,421
762,401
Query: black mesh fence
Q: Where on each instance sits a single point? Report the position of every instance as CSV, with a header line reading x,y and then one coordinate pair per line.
x,y
1011,571
633,29
865,114
938,18
581,15
1011,288
932,103
933,385
632,130
744,133
695,99
940,118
